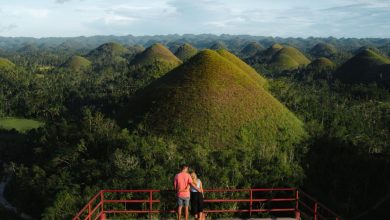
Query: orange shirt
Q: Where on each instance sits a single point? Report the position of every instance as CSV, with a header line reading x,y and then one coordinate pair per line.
x,y
182,180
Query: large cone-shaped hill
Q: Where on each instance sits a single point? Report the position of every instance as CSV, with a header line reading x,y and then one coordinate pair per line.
x,y
77,63
155,61
185,52
288,58
251,49
323,50
365,67
6,63
211,101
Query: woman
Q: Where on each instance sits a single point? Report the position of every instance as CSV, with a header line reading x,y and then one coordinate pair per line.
x,y
197,197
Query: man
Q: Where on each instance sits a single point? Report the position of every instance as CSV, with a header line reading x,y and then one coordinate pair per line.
x,y
182,184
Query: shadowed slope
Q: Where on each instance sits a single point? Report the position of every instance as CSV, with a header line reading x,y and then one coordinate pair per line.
x,y
367,66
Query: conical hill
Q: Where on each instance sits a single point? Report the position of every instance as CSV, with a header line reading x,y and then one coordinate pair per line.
x,y
211,101
156,60
185,52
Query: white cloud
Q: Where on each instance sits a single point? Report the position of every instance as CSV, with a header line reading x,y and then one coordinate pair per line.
x,y
349,18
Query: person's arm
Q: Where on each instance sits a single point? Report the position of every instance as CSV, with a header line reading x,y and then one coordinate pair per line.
x,y
201,188
175,183
195,186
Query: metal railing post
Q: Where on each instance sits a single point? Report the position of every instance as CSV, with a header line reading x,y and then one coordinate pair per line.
x,y
102,215
250,203
297,213
315,210
89,211
150,204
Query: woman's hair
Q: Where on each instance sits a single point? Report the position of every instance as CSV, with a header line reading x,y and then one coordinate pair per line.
x,y
193,173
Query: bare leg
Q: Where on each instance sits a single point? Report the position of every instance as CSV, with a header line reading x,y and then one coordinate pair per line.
x,y
186,212
203,216
179,212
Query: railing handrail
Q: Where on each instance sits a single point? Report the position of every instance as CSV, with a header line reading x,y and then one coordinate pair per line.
x,y
100,213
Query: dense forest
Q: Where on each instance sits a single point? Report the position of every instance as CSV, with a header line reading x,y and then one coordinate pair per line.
x,y
81,114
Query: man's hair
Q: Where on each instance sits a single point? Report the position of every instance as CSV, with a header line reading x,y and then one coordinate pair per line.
x,y
183,166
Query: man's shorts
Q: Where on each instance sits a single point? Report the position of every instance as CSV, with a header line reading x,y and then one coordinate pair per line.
x,y
183,201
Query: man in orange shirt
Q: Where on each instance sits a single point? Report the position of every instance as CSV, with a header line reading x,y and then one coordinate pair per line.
x,y
182,184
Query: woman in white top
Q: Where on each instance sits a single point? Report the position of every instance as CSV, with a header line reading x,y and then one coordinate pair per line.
x,y
197,197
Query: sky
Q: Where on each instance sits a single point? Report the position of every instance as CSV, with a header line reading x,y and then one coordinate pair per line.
x,y
283,18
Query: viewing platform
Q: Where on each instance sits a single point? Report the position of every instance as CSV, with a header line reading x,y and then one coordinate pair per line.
x,y
261,203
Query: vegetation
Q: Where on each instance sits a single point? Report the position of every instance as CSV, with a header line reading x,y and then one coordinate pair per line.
x,y
118,124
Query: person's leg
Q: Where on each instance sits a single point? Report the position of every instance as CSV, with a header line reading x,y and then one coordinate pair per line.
x,y
179,208
186,212
186,205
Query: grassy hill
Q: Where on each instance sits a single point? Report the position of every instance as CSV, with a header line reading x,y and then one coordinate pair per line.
x,y
251,49
243,66
185,52
155,61
365,67
323,50
19,124
288,58
77,63
322,63
108,49
5,63
211,101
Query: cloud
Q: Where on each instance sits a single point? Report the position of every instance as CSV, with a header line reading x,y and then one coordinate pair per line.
x,y
7,28
62,1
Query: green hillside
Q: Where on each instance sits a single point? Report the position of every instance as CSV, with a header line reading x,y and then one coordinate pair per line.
x,y
5,63
155,61
243,66
365,67
251,49
288,58
322,63
211,101
323,50
185,52
77,63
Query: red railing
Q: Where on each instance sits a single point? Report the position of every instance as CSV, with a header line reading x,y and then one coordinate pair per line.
x,y
291,201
